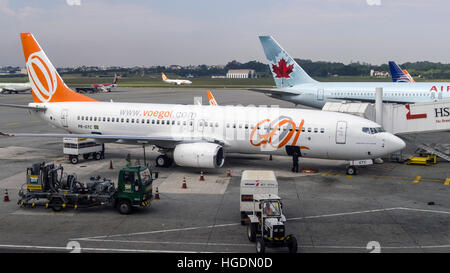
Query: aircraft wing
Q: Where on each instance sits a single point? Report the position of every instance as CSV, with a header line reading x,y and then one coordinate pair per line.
x,y
162,141
275,91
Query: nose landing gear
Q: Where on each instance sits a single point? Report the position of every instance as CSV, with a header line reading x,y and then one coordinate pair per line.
x,y
351,170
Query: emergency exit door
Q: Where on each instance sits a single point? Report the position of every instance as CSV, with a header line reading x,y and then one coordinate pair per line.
x,y
341,132
320,94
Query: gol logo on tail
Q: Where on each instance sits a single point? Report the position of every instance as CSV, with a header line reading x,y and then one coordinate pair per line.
x,y
43,79
271,137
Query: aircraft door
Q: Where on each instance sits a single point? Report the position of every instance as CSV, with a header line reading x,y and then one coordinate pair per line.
x,y
439,96
64,116
191,125
341,132
201,126
320,94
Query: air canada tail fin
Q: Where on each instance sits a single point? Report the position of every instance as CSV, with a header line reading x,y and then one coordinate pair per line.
x,y
399,75
285,70
46,84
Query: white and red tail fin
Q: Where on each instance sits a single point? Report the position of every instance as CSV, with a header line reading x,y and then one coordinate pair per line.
x,y
164,77
46,84
115,79
211,99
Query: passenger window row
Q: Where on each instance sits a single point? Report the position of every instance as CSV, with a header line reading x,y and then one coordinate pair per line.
x,y
385,94
184,123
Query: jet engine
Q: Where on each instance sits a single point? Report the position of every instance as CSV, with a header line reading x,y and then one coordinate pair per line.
x,y
199,155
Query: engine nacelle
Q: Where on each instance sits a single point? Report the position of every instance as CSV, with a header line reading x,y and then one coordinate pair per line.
x,y
200,155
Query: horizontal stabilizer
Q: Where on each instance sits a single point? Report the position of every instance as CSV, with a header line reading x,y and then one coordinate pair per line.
x,y
276,91
38,108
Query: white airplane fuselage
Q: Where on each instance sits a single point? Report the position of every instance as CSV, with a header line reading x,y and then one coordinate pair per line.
x,y
317,94
14,87
178,82
319,134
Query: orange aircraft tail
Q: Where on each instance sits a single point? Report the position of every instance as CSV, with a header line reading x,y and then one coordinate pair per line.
x,y
46,84
164,77
211,99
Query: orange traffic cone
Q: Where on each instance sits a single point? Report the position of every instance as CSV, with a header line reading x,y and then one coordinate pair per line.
x,y
202,178
110,164
6,199
270,157
184,186
228,173
157,194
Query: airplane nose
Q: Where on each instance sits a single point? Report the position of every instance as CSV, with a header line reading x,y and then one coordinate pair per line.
x,y
395,144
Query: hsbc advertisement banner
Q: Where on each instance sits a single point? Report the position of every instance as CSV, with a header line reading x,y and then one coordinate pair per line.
x,y
419,117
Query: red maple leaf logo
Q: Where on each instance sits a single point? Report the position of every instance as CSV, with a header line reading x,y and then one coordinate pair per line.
x,y
282,70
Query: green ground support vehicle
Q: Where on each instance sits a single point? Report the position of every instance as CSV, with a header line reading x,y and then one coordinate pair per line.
x,y
49,186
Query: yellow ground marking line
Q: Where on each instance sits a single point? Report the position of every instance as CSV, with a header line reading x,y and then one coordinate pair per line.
x,y
414,179
12,123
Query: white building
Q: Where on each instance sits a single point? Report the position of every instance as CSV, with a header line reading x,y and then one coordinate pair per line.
x,y
241,73
374,73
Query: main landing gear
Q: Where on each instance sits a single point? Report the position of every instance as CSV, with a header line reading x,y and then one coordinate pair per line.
x,y
163,161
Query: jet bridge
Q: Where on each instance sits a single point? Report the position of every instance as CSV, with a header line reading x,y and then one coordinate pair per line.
x,y
426,125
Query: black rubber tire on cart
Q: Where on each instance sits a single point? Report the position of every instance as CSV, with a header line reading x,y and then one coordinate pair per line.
x,y
73,159
56,204
251,232
292,245
124,207
260,245
97,156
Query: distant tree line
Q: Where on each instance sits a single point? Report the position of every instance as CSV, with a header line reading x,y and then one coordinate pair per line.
x,y
425,69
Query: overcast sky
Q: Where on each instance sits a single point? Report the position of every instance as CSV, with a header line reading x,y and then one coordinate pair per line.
x,y
143,32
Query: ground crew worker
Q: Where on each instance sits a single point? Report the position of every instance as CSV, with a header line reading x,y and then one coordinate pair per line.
x,y
128,160
268,210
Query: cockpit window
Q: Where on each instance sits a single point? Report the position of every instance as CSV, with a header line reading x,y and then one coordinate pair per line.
x,y
373,130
